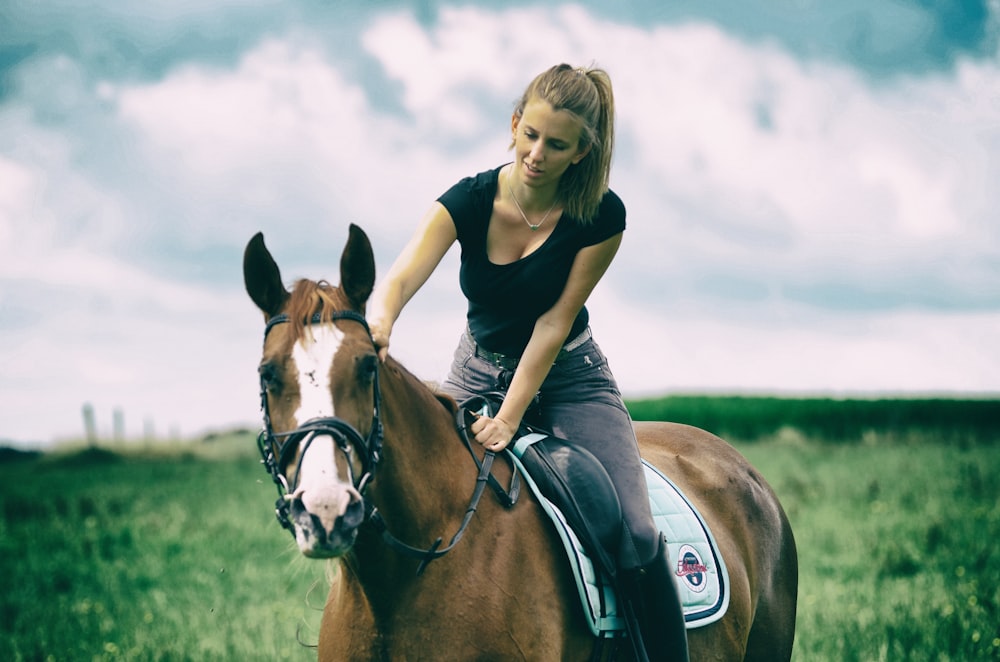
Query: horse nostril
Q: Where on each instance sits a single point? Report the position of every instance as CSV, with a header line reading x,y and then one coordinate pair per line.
x,y
355,513
305,523
319,530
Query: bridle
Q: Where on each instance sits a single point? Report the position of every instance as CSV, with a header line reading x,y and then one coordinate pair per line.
x,y
348,439
345,435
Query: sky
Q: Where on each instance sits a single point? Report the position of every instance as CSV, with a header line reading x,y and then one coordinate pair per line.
x,y
811,189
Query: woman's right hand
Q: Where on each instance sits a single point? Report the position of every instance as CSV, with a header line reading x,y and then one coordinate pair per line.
x,y
380,338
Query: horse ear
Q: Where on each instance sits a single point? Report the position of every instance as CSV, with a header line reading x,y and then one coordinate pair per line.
x,y
262,277
357,267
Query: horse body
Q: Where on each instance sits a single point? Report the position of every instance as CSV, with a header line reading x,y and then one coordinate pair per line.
x,y
503,590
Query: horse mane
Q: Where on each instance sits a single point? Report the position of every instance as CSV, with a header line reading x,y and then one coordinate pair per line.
x,y
308,298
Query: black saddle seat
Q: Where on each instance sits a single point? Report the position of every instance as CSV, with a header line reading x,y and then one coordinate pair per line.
x,y
572,478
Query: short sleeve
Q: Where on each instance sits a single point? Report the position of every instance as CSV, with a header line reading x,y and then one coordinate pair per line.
x,y
469,202
610,220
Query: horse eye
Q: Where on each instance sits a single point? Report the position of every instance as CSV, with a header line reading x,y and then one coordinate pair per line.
x,y
269,376
367,367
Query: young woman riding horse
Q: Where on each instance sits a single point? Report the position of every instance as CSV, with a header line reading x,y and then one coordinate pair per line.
x,y
536,237
373,472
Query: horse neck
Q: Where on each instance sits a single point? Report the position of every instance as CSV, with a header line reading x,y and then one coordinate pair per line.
x,y
423,488
427,474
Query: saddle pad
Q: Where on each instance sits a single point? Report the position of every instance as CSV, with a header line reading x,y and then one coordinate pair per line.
x,y
701,576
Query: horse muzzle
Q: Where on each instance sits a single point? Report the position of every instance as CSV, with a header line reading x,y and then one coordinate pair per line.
x,y
325,519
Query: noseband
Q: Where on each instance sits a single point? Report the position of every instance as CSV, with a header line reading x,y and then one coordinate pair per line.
x,y
345,435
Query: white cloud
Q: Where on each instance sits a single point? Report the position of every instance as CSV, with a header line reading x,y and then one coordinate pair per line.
x,y
280,101
803,352
15,201
282,130
750,176
733,127
744,133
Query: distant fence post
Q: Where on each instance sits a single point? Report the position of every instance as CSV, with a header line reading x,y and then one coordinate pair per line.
x,y
118,424
89,424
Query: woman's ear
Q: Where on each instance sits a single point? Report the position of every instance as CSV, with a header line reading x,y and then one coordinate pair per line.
x,y
581,155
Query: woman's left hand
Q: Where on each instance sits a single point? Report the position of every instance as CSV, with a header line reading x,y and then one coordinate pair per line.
x,y
493,434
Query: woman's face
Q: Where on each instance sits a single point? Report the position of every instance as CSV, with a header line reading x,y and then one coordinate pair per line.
x,y
546,143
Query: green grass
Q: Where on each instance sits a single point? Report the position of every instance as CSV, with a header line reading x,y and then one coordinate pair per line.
x,y
165,556
897,548
174,554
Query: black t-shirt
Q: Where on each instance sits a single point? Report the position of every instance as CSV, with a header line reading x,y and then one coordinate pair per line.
x,y
505,300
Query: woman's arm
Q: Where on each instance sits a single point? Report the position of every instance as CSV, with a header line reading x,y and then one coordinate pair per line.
x,y
547,338
414,265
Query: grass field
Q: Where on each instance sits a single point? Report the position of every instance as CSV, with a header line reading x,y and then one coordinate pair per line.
x,y
898,551
143,557
173,553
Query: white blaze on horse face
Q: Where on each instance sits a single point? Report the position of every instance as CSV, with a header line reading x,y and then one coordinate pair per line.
x,y
313,356
323,492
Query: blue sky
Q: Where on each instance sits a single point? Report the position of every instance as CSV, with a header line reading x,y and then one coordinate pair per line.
x,y
810,188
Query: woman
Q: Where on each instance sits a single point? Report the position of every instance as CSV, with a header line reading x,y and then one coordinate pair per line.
x,y
536,237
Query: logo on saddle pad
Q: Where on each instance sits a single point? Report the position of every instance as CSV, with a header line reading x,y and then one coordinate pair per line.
x,y
691,568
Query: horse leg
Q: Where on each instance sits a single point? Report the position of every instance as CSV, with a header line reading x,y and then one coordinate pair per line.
x,y
773,632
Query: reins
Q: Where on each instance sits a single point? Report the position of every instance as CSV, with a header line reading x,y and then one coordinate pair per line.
x,y
506,497
347,437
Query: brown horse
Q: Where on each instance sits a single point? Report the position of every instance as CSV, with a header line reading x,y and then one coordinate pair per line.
x,y
373,472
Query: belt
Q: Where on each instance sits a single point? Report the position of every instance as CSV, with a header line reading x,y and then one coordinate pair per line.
x,y
510,362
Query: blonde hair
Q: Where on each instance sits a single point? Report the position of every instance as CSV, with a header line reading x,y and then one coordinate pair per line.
x,y
585,93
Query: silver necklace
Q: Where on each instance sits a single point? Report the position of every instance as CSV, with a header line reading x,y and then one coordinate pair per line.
x,y
525,216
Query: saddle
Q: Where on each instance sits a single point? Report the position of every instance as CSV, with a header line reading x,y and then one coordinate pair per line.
x,y
576,492
573,479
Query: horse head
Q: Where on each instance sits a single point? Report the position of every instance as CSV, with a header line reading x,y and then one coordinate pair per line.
x,y
319,393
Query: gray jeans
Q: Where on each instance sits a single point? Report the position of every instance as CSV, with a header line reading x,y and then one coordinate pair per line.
x,y
579,401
